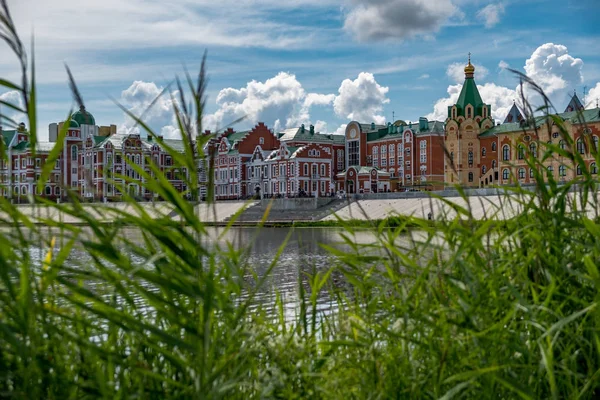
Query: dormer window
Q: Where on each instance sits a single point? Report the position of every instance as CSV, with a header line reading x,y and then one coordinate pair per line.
x,y
469,112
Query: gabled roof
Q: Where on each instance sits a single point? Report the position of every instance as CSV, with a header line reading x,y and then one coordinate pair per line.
x,y
514,115
469,95
575,104
573,117
8,136
297,135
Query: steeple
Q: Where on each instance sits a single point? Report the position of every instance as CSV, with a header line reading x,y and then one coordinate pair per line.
x,y
469,95
514,115
575,104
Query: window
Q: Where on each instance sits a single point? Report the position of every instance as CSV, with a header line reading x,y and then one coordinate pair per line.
x,y
483,152
375,152
562,170
38,162
533,150
353,153
531,173
520,152
595,141
580,146
505,174
73,153
408,151
470,177
494,146
505,153
578,169
48,190
57,191
550,170
261,140
23,163
305,169
521,173
483,169
470,157
562,144
322,169
452,157
593,168
555,135
468,112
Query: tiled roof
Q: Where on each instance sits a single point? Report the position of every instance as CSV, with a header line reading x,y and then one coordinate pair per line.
x,y
573,117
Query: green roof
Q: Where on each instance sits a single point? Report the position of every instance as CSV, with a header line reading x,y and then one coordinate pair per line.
x,y
99,139
8,136
469,95
83,117
415,127
574,117
237,136
21,146
296,135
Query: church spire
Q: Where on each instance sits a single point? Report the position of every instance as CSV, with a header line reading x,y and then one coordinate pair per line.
x,y
575,104
514,115
469,69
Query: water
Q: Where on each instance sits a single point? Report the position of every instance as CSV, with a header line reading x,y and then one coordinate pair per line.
x,y
302,256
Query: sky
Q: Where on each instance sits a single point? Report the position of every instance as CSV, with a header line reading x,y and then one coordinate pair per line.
x,y
286,63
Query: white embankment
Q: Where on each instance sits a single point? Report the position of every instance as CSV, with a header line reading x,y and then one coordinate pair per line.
x,y
498,207
108,212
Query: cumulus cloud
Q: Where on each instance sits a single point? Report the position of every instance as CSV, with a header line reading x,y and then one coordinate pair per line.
x,y
11,97
593,96
456,72
491,14
499,97
361,99
138,97
551,67
396,19
282,102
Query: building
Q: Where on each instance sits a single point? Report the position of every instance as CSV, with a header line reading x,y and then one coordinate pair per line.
x,y
393,157
481,153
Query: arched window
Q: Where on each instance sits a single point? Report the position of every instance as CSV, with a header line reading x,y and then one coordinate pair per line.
x,y
533,149
550,170
24,190
483,152
521,173
375,151
483,170
580,146
470,155
470,177
520,152
562,144
493,164
48,190
505,153
505,174
391,148
593,168
57,191
562,170
137,159
578,169
494,146
73,152
322,169
469,112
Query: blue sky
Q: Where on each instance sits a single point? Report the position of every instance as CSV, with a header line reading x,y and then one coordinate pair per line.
x,y
304,61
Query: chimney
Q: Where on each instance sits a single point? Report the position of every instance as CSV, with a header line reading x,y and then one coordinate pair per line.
x,y
302,128
372,125
149,138
312,130
423,124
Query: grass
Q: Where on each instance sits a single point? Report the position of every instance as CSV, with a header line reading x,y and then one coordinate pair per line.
x,y
466,311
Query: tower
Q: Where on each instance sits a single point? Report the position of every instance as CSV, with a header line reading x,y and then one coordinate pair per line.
x,y
514,115
466,120
575,104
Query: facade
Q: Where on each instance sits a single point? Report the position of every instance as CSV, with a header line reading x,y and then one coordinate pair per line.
x,y
393,157
481,154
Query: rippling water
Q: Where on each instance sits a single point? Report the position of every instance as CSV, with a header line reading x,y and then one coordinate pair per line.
x,y
302,255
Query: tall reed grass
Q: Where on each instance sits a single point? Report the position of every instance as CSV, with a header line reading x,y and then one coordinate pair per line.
x,y
466,311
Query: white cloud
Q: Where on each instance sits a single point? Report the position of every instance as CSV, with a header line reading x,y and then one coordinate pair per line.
x,y
320,126
396,19
12,97
341,130
361,99
491,14
593,96
503,64
456,72
499,97
138,97
551,67
424,76
280,102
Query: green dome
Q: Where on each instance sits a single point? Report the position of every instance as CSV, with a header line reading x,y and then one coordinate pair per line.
x,y
73,124
82,117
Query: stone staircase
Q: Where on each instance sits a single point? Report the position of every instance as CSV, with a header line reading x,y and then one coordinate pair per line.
x,y
255,214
